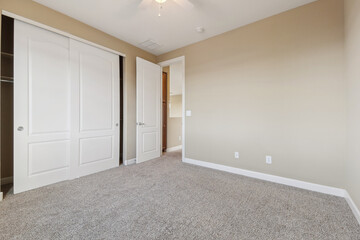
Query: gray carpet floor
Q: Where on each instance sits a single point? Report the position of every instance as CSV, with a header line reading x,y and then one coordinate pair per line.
x,y
167,199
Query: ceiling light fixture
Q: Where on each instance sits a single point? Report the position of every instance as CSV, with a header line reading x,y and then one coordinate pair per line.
x,y
160,5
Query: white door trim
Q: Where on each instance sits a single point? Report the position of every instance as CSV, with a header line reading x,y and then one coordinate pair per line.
x,y
167,63
125,122
66,34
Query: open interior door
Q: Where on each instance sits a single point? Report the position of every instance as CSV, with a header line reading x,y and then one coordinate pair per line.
x,y
148,110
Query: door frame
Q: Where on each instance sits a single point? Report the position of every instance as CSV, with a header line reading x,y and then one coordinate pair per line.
x,y
164,136
164,64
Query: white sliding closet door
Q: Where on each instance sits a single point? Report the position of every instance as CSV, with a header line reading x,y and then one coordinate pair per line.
x,y
66,108
41,107
96,109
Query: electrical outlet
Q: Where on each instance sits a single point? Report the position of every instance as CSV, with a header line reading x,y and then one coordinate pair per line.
x,y
237,155
268,160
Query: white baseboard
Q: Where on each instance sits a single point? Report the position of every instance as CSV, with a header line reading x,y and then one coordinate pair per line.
x,y
6,180
271,178
1,196
173,149
130,162
353,206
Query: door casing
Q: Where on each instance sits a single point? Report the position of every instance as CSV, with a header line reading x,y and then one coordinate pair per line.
x,y
167,63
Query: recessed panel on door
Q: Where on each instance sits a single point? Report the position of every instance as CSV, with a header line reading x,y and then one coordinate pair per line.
x,y
96,92
151,98
149,142
48,156
49,87
96,149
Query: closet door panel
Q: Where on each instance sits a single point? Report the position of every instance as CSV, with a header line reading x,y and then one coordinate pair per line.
x,y
95,75
41,107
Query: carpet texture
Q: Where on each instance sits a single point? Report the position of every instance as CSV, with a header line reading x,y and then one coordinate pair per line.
x,y
167,199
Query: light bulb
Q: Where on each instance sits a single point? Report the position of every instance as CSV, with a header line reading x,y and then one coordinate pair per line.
x,y
160,1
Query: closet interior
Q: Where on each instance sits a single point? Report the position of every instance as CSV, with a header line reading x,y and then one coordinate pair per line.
x,y
7,102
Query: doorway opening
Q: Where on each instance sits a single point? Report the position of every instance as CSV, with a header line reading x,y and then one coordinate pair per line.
x,y
173,99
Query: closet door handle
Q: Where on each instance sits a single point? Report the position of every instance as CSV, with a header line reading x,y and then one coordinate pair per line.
x,y
20,128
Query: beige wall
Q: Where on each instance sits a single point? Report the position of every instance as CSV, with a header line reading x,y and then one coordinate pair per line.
x,y
274,87
352,50
173,124
176,106
42,14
